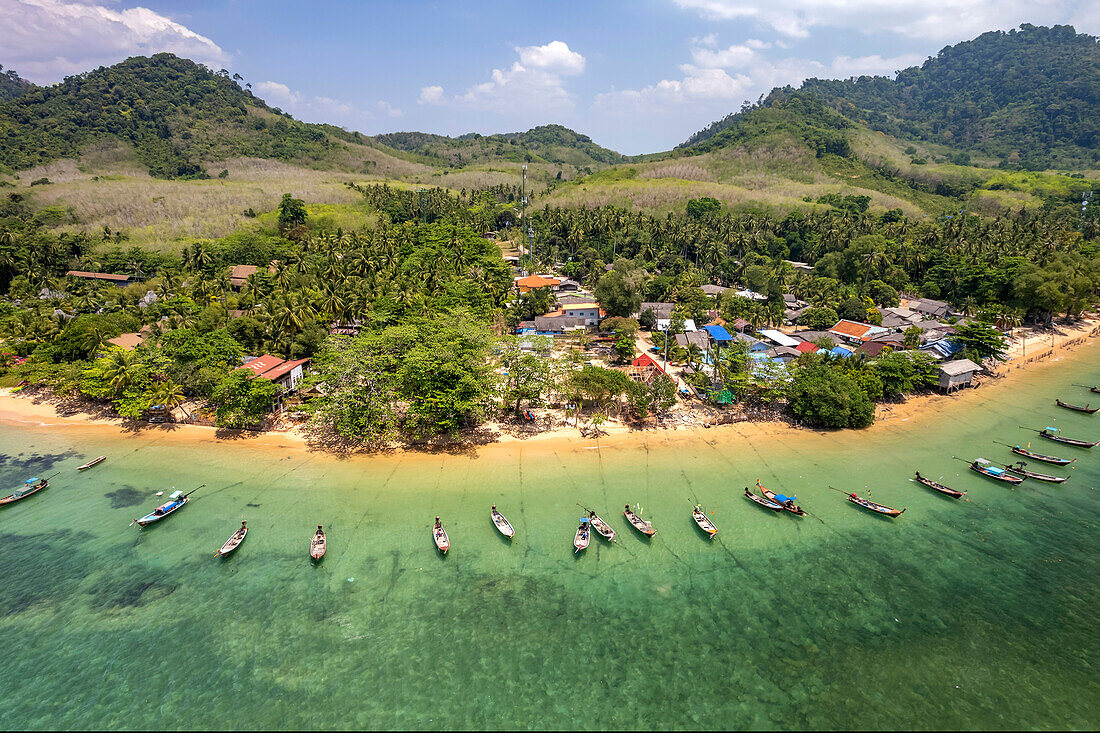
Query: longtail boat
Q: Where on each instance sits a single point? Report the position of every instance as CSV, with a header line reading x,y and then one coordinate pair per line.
x,y
580,539
1040,457
30,486
787,502
503,525
439,536
176,500
704,523
937,486
874,507
318,545
93,462
603,529
761,501
1052,434
233,542
1019,470
1094,389
638,523
985,468
1077,408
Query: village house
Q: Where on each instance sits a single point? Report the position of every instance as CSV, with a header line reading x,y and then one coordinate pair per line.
x,y
699,338
718,334
854,331
286,374
661,311
238,274
590,311
779,338
957,374
713,290
928,308
535,282
555,324
645,369
663,324
120,280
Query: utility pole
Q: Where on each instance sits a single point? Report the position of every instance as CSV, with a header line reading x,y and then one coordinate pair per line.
x,y
523,209
423,211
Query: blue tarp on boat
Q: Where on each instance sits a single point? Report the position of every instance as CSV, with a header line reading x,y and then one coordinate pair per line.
x,y
784,499
995,471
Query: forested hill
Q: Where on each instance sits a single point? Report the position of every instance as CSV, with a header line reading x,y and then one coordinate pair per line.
x,y
175,113
11,85
543,144
1029,97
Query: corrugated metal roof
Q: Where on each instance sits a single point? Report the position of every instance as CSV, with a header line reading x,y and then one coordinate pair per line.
x,y
959,366
780,338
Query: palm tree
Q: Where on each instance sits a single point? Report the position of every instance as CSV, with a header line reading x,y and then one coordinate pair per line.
x,y
119,368
170,395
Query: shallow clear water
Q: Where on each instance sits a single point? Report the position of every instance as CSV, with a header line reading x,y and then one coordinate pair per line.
x,y
972,614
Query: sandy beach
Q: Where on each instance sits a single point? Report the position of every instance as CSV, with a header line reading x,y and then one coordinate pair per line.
x,y
1038,351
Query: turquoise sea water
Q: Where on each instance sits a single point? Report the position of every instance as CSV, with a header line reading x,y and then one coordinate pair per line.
x,y
971,614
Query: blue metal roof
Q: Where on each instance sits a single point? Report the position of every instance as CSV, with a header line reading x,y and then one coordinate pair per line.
x,y
718,333
841,351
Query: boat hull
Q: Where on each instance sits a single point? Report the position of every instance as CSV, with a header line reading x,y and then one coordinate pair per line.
x,y
93,462
232,544
1053,460
153,518
503,525
12,498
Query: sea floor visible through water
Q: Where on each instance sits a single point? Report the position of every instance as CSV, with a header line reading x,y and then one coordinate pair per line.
x,y
979,613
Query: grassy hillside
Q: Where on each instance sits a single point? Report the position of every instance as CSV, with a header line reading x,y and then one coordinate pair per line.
x,y
176,116
545,144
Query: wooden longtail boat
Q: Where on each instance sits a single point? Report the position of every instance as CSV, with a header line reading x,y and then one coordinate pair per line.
x,y
937,486
318,545
787,502
638,523
30,486
1052,434
1040,457
176,500
233,542
704,523
1019,470
874,507
93,462
581,538
766,503
984,467
1077,408
1094,389
439,536
603,529
503,525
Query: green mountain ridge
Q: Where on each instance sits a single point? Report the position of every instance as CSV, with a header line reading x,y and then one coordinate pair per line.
x,y
1028,98
542,144
176,114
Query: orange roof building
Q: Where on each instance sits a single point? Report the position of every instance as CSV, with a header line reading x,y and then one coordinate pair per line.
x,y
534,282
856,331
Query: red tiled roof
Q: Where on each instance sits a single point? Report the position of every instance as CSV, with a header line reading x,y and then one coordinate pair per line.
x,y
536,281
283,369
851,329
646,360
806,347
263,364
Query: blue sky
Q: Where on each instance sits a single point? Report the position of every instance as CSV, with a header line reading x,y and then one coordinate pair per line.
x,y
636,76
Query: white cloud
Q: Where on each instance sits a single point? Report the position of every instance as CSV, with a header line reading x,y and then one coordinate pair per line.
x,y
278,93
733,57
431,95
846,66
532,84
45,40
555,56
319,108
940,20
388,109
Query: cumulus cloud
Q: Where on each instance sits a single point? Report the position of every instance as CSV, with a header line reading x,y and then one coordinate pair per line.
x,y
555,56
46,40
941,20
534,83
320,108
845,66
431,95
